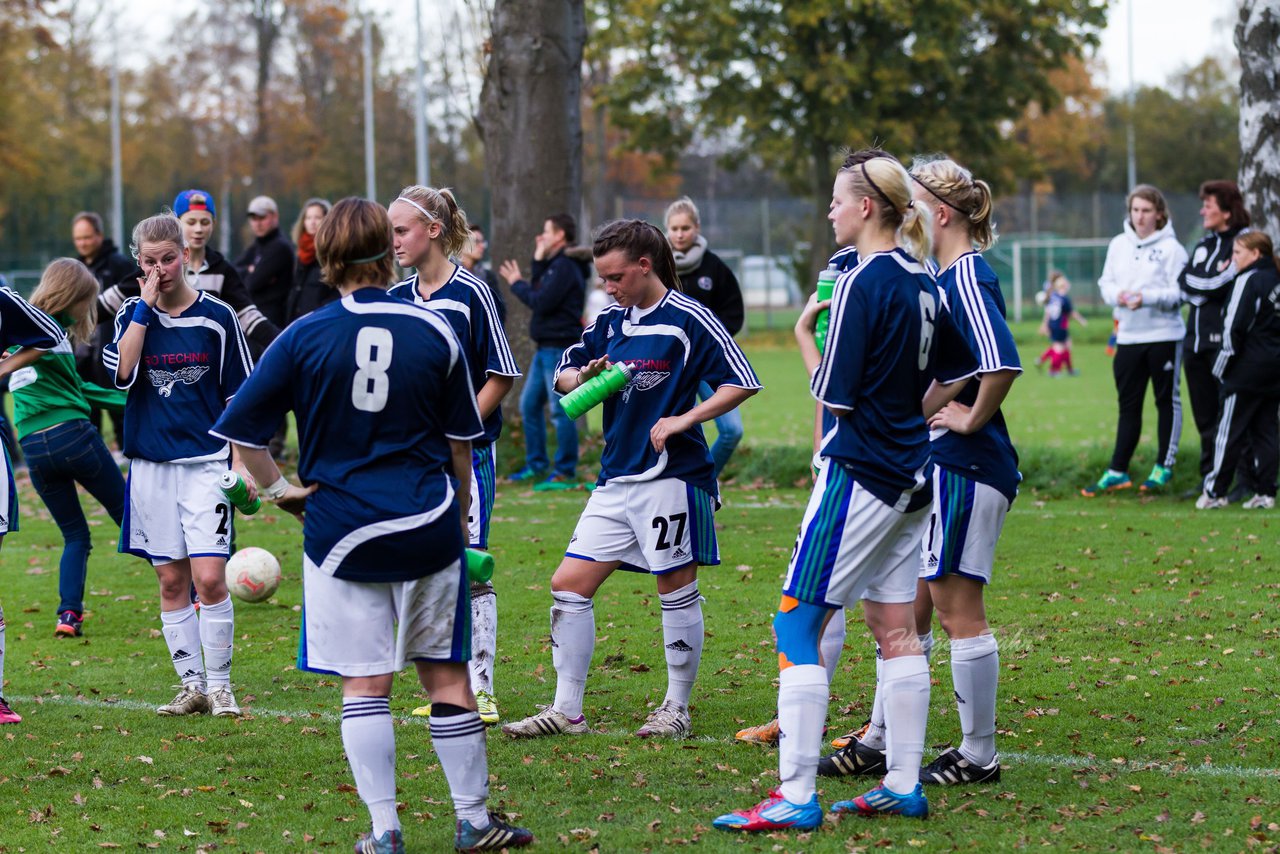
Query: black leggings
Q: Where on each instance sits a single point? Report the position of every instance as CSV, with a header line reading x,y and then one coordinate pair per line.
x,y
1134,366
1253,418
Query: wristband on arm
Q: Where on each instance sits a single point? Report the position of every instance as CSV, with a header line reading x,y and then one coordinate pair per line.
x,y
143,314
277,489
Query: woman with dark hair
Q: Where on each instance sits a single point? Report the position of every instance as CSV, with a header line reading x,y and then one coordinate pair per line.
x,y
1140,278
1206,285
308,292
652,508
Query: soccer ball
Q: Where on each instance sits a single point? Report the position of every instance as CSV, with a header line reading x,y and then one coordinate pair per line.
x,y
253,574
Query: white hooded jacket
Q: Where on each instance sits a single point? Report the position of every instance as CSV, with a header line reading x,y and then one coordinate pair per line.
x,y
1150,267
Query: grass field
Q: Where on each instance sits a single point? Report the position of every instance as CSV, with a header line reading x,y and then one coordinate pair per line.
x,y
1138,703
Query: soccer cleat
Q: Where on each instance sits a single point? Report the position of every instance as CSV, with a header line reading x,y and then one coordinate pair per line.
x,y
1109,482
881,801
857,734
190,700
855,759
762,734
548,721
1260,502
773,813
1158,479
222,703
526,474
669,720
8,715
422,711
557,483
1208,502
487,706
390,842
497,835
69,625
951,768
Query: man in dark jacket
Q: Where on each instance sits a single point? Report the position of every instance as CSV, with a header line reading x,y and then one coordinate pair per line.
x,y
110,267
267,265
556,298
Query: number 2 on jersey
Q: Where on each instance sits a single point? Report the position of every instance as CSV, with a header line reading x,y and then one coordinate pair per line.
x,y
371,385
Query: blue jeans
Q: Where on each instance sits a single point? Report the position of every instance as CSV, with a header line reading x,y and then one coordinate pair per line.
x,y
62,456
533,401
728,431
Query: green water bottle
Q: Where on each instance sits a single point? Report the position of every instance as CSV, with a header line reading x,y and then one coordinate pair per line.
x,y
237,492
826,288
479,566
594,391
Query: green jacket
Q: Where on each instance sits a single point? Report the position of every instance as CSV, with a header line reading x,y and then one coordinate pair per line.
x,y
50,392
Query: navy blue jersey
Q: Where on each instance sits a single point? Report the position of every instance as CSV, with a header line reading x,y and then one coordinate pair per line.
x,y
972,293
194,363
24,325
890,336
379,386
468,304
845,259
671,348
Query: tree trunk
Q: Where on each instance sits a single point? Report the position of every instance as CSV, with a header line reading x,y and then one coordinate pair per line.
x,y
1258,42
531,119
266,22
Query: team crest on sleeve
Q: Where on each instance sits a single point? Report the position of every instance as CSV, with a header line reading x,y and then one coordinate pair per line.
x,y
164,380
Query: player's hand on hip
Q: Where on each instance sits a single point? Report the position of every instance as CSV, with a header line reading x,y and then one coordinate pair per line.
x,y
954,417
294,500
667,427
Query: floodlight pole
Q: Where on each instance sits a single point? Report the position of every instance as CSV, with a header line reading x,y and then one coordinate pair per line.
x,y
423,171
1133,158
370,172
117,187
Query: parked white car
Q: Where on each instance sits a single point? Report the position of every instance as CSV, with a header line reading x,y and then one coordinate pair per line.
x,y
767,282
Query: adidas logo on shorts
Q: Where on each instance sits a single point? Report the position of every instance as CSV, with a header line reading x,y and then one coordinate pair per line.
x,y
222,541
679,646
679,552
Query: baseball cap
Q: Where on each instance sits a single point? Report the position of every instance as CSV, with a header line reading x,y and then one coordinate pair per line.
x,y
263,205
193,200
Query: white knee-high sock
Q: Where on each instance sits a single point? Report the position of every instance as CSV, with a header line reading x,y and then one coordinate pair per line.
x,y
803,692
682,634
975,673
573,640
484,636
182,634
874,736
906,712
217,634
459,743
832,643
1,650
370,744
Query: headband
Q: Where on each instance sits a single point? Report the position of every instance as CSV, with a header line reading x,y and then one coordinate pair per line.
x,y
880,192
369,260
408,201
933,193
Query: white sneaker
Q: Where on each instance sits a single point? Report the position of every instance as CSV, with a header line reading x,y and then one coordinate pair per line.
x,y
190,700
1208,502
548,721
222,702
669,720
1260,502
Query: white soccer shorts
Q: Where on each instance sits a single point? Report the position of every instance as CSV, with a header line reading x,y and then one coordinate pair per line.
x,y
964,526
175,510
650,526
357,628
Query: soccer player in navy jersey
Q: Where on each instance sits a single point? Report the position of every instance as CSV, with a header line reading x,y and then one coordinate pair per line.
x,y
429,229
189,347
27,327
890,345
652,508
384,518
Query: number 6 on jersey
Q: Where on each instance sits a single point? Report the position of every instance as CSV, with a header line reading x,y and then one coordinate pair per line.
x,y
370,386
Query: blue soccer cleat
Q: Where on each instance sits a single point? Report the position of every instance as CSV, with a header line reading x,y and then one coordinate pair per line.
x,y
773,813
493,837
390,842
881,801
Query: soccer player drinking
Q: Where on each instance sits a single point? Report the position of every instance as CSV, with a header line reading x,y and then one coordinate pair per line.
x,y
429,229
189,346
889,337
652,508
384,580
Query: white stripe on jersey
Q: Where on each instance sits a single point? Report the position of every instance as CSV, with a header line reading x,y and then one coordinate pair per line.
x,y
333,560
38,317
1229,320
506,358
630,329
839,297
975,309
241,344
733,353
602,317
408,309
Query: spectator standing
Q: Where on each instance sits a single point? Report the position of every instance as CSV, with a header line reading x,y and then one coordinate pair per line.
x,y
267,265
556,295
471,257
1206,284
707,279
1140,278
309,291
110,267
